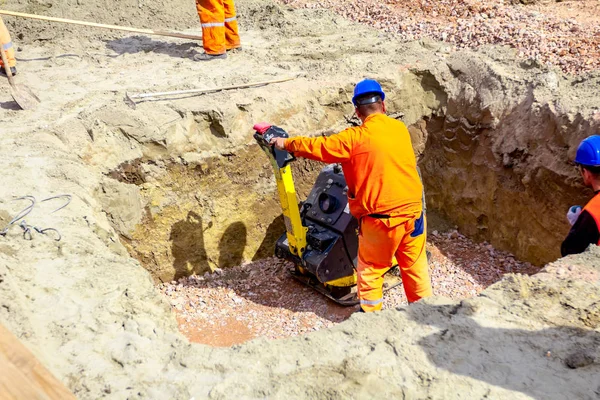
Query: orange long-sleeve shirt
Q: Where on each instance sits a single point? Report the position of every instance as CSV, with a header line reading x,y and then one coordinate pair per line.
x,y
378,163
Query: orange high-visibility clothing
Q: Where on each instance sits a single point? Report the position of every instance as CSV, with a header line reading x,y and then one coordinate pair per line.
x,y
219,25
7,45
593,208
585,231
381,173
378,162
379,241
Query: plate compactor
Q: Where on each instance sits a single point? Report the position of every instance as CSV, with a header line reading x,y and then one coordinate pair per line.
x,y
321,237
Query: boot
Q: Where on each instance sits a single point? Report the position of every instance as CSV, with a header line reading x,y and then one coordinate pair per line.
x,y
209,57
13,70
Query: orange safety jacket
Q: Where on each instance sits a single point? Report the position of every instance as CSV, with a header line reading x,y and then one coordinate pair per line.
x,y
586,229
7,45
378,163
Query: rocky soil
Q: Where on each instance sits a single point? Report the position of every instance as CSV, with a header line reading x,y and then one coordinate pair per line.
x,y
566,34
261,299
494,132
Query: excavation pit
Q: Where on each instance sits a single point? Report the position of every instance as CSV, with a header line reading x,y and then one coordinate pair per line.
x,y
494,132
209,214
208,234
206,221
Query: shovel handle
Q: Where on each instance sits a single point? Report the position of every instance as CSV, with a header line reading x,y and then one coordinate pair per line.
x,y
9,74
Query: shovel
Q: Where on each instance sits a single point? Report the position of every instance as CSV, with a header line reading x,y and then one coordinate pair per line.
x,y
22,95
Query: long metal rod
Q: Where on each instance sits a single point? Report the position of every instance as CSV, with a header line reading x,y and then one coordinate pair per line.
x,y
191,91
96,25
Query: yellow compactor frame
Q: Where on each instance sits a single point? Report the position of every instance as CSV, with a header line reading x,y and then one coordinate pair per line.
x,y
296,232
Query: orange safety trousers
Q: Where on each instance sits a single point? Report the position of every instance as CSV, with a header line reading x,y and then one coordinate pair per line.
x,y
379,241
7,45
219,25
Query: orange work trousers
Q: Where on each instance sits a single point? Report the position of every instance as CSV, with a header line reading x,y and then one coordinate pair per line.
x,y
219,25
7,45
380,240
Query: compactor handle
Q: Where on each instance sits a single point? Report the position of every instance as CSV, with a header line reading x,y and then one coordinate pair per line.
x,y
264,134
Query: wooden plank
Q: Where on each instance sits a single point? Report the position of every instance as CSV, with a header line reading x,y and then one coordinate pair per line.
x,y
14,385
22,376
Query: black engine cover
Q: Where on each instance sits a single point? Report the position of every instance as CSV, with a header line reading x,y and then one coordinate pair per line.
x,y
332,247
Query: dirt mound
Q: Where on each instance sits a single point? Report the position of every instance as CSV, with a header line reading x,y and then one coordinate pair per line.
x,y
91,313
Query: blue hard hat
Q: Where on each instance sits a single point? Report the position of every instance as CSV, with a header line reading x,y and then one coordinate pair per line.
x,y
367,86
588,152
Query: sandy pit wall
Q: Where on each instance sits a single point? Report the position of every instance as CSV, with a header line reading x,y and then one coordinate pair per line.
x,y
91,313
489,157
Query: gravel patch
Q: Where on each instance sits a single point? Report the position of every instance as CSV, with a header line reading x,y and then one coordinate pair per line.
x,y
569,39
261,299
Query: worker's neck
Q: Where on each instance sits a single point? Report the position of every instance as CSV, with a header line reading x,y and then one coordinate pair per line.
x,y
364,118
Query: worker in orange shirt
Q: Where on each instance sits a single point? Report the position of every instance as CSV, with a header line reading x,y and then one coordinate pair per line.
x,y
219,28
384,194
585,222
8,49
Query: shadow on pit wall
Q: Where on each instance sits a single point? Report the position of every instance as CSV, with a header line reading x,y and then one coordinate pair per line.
x,y
188,248
9,105
268,284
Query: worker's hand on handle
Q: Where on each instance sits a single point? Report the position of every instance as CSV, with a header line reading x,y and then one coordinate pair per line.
x,y
278,142
573,214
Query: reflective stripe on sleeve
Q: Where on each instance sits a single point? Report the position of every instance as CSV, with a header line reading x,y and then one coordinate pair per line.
x,y
230,19
7,46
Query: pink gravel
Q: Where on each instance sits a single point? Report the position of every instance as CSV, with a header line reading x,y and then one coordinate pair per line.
x,y
261,299
564,34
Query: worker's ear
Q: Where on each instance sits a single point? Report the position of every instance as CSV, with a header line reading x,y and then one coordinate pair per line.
x,y
586,175
383,107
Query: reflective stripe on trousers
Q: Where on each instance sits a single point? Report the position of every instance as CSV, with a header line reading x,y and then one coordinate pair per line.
x,y
371,302
219,25
7,45
213,24
379,241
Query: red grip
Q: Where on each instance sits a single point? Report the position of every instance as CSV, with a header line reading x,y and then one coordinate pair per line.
x,y
262,127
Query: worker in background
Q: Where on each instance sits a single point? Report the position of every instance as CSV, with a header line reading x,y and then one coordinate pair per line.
x,y
585,229
384,194
219,28
8,49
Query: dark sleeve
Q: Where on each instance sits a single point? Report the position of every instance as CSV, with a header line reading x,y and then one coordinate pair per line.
x,y
581,235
